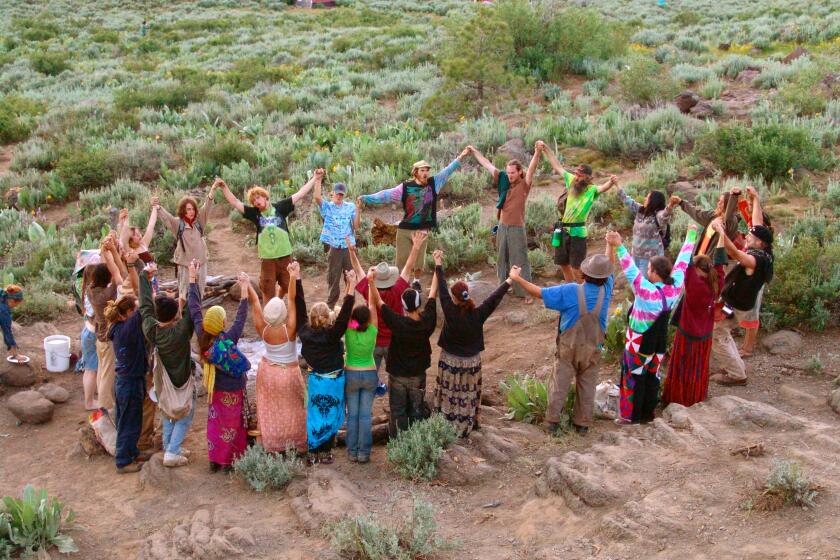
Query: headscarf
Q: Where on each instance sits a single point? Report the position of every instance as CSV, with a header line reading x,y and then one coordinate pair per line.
x,y
214,323
275,311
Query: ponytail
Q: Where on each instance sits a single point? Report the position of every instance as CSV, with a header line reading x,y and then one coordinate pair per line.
x,y
704,263
115,311
662,267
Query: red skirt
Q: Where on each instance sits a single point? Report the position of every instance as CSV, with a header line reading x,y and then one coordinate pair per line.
x,y
687,382
227,435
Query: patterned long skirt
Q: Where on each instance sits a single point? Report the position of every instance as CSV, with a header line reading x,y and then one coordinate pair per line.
x,y
639,381
281,407
458,391
687,382
227,434
325,414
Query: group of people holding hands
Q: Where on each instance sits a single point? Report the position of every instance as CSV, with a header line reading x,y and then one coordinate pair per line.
x,y
136,335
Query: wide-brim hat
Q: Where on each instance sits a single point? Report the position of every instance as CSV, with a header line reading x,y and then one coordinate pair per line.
x,y
597,266
386,275
419,165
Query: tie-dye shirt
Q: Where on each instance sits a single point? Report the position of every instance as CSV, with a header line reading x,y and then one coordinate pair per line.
x,y
648,303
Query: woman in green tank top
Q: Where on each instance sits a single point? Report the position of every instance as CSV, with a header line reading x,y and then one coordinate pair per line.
x,y
361,377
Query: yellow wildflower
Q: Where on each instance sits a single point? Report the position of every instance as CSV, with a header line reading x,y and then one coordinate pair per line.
x,y
357,133
286,181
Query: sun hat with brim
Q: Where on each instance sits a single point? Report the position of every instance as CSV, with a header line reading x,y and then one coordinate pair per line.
x,y
420,165
597,266
386,275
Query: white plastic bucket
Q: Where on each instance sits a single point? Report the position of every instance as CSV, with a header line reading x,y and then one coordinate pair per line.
x,y
57,351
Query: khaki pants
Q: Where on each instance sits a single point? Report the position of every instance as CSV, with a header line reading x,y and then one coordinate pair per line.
x,y
725,357
404,245
513,251
105,374
580,362
183,273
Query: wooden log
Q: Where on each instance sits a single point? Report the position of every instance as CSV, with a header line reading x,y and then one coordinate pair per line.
x,y
379,432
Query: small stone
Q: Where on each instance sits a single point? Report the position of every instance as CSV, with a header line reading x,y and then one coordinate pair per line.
x,y
31,407
55,393
782,342
834,400
703,110
686,100
17,375
516,317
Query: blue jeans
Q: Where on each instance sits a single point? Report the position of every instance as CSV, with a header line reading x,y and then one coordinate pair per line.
x,y
129,392
174,431
358,391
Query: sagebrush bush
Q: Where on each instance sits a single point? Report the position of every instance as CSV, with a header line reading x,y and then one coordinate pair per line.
x,y
618,133
787,485
769,150
463,238
540,214
264,470
805,286
173,95
16,117
51,63
365,538
221,150
645,82
81,169
415,451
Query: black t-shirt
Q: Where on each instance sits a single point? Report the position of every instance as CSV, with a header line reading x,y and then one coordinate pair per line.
x,y
282,209
740,290
410,352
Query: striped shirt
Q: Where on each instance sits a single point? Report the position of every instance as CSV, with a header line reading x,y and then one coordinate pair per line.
x,y
648,303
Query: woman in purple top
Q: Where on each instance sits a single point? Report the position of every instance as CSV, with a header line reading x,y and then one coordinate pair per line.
x,y
225,373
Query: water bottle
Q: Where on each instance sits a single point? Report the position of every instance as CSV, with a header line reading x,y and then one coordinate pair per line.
x,y
557,238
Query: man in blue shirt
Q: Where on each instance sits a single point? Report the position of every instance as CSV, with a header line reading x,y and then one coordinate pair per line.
x,y
583,322
340,220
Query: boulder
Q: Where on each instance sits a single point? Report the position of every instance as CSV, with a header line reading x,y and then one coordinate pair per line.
x,y
17,375
702,110
686,100
55,393
834,400
514,149
747,76
31,407
782,343
323,497
798,52
154,475
479,290
516,317
748,414
797,396
235,293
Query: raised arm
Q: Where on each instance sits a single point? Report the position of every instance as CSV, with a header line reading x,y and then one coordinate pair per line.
x,y
131,259
316,196
372,305
168,220
627,264
204,211
123,231
150,227
433,290
483,161
194,300
417,239
147,303
354,259
555,163
681,264
702,217
535,161
532,289
291,316
394,194
235,331
256,307
608,184
343,318
357,218
300,304
745,259
757,212
231,198
443,175
489,305
628,201
108,255
317,177
439,279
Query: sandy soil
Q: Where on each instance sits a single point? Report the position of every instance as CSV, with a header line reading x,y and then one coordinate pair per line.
x,y
669,490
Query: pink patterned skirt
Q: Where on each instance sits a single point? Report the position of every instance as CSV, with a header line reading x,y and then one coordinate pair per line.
x,y
281,410
227,434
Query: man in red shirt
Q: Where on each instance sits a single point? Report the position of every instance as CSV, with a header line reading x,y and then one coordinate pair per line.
x,y
391,284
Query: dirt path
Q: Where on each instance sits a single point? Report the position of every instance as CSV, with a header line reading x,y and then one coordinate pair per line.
x,y
670,496
6,156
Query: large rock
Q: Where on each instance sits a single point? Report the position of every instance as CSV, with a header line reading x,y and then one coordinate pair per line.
x,y
834,400
748,414
515,149
17,375
702,110
323,497
201,536
236,294
154,475
55,393
480,289
31,407
782,342
686,100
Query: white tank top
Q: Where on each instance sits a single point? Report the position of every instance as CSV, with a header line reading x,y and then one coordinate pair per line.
x,y
283,353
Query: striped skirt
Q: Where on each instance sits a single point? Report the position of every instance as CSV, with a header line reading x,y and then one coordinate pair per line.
x,y
458,391
687,382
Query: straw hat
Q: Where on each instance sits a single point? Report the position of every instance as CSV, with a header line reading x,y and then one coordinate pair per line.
x,y
386,275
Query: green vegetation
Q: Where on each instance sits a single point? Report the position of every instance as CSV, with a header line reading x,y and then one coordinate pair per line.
x,y
785,485
263,470
34,523
415,451
527,398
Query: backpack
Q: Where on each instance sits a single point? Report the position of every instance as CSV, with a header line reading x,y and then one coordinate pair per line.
x,y
666,237
179,237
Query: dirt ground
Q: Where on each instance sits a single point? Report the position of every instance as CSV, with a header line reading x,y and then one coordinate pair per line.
x,y
667,490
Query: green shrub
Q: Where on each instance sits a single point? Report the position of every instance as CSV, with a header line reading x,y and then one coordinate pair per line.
x,y
538,259
769,150
645,82
527,398
365,538
805,286
805,93
248,72
373,254
786,485
733,64
618,133
540,215
398,157
81,169
415,451
37,28
176,96
123,193
39,305
463,238
264,470
16,114
221,150
105,36
712,88
51,63
615,336
273,102
34,523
